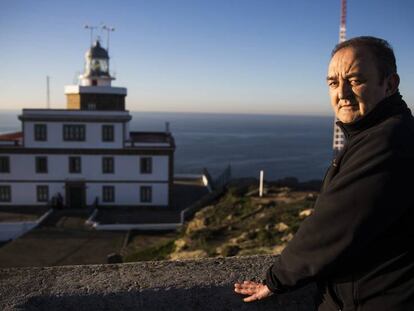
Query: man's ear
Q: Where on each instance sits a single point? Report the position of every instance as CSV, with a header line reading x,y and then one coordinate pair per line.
x,y
393,81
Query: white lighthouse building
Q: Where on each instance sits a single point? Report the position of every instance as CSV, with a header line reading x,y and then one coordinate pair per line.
x,y
85,154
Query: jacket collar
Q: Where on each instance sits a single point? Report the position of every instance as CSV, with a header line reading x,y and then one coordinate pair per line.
x,y
384,109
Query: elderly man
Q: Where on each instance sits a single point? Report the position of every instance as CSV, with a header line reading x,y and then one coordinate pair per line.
x,y
357,245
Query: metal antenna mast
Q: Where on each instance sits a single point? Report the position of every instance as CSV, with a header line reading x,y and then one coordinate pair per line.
x,y
342,27
91,29
108,30
338,136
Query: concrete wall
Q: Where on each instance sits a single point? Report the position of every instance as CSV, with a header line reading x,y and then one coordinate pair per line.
x,y
13,230
167,285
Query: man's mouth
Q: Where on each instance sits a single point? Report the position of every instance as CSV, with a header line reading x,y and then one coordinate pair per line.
x,y
348,106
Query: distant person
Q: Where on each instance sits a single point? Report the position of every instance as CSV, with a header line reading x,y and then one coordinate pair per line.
x,y
358,244
59,201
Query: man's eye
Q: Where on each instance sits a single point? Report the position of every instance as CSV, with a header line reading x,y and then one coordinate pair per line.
x,y
333,83
355,82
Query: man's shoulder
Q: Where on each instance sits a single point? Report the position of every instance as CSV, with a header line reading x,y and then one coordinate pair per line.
x,y
396,130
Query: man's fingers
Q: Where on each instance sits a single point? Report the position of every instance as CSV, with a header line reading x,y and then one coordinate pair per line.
x,y
251,298
244,291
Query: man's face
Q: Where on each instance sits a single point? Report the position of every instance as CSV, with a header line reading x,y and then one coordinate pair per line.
x,y
354,83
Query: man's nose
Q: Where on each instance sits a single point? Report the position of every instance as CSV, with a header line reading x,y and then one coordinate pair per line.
x,y
345,90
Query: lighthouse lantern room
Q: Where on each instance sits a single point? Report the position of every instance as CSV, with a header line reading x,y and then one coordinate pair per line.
x,y
94,91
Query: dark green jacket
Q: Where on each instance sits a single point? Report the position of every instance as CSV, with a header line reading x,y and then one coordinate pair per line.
x,y
358,245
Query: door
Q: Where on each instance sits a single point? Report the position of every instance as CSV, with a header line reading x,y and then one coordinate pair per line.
x,y
75,195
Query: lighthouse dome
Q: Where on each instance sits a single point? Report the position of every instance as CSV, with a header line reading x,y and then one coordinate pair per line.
x,y
97,51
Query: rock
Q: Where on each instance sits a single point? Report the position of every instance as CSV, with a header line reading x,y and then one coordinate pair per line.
x,y
196,224
114,258
278,249
287,237
228,250
305,213
240,239
281,227
199,253
180,244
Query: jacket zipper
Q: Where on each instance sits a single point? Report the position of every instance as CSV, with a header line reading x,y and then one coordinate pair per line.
x,y
334,296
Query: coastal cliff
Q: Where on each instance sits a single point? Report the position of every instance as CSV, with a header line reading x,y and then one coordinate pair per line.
x,y
239,223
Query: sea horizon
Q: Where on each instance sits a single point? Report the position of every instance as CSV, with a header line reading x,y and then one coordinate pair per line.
x,y
281,145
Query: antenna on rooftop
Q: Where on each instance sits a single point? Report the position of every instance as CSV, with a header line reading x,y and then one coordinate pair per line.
x,y
91,28
108,30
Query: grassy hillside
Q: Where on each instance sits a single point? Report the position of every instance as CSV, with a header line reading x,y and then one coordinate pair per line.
x,y
239,223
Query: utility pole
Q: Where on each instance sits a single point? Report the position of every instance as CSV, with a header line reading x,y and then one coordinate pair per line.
x,y
48,92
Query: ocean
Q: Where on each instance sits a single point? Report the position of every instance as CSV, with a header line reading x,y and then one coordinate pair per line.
x,y
281,146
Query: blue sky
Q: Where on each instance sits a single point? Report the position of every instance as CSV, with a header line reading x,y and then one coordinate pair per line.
x,y
225,56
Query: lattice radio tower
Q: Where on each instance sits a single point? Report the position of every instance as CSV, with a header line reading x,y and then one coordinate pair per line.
x,y
338,136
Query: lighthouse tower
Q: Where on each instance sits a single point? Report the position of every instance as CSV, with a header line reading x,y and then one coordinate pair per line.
x,y
94,90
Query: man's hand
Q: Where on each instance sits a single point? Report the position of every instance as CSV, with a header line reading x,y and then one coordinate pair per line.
x,y
255,291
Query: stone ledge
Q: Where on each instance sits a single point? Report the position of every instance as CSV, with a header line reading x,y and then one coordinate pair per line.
x,y
205,284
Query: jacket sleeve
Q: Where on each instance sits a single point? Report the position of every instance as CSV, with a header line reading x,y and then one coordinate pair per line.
x,y
366,196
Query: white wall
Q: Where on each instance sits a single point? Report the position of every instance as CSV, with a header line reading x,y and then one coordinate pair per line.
x,y
93,135
127,168
128,194
125,193
26,193
22,168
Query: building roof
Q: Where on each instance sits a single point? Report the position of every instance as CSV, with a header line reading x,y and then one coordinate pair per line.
x,y
151,137
97,51
11,136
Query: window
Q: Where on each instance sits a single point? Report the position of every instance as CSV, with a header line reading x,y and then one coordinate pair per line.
x,y
42,193
146,194
146,165
41,164
108,193
75,165
107,133
91,106
108,165
4,165
5,193
40,132
73,132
